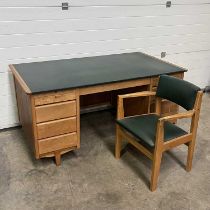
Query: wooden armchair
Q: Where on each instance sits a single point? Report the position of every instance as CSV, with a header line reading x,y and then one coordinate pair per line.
x,y
152,134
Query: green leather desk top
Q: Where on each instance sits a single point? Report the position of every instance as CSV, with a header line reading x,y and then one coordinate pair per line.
x,y
90,71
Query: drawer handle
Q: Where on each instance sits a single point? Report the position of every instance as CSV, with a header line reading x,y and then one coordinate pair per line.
x,y
58,96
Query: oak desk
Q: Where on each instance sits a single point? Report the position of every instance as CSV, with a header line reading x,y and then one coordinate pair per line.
x,y
50,94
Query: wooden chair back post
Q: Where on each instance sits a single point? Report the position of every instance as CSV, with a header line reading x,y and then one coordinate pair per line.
x,y
120,108
195,118
159,135
193,130
158,105
157,156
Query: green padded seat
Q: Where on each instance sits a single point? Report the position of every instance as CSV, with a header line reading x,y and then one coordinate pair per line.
x,y
143,127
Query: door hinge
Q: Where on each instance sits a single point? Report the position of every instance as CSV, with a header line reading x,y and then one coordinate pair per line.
x,y
168,4
65,6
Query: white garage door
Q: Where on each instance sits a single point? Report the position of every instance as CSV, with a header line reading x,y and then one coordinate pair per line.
x,y
40,30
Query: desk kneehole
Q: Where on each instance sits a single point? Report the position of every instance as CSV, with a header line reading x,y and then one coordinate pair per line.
x,y
57,143
55,111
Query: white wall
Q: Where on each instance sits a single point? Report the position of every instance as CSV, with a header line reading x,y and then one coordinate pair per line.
x,y
39,30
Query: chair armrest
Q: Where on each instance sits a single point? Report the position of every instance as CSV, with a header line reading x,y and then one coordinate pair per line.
x,y
120,107
160,124
138,94
187,114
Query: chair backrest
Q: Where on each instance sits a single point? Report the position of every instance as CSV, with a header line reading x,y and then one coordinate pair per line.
x,y
178,91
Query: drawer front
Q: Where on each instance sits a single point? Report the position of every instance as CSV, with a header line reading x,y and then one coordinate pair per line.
x,y
55,111
57,127
178,75
57,143
169,107
155,81
49,98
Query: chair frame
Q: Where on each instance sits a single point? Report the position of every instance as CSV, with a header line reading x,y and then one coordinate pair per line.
x,y
160,145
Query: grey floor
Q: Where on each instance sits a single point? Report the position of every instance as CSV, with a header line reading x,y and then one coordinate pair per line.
x,y
91,178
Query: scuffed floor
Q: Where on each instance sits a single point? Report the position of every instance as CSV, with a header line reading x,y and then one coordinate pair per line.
x,y
91,178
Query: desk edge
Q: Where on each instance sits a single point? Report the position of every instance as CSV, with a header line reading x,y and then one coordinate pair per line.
x,y
20,80
168,62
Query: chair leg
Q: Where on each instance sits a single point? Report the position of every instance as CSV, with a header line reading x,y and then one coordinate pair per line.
x,y
57,158
155,170
118,143
191,147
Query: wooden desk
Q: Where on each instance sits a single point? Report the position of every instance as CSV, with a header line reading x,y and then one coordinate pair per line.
x,y
50,94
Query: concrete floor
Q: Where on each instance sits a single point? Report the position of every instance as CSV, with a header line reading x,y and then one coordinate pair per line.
x,y
91,178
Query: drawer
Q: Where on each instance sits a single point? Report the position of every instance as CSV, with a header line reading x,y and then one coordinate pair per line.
x,y
169,107
155,80
165,106
57,127
154,89
178,75
57,143
55,111
54,97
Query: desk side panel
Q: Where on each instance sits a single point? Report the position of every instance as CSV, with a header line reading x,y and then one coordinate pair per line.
x,y
25,111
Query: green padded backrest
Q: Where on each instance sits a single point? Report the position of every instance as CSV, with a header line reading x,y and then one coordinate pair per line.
x,y
178,91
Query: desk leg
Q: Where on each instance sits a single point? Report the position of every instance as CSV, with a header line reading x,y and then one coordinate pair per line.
x,y
57,158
